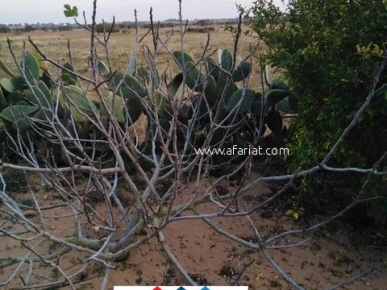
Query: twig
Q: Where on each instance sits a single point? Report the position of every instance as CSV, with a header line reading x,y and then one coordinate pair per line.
x,y
370,271
240,272
175,261
289,279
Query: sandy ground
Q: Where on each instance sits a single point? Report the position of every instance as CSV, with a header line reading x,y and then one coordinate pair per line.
x,y
326,259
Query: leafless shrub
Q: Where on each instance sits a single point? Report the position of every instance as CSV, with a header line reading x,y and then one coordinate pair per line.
x,y
78,169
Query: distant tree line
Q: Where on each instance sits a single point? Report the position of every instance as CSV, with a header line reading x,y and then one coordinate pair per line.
x,y
33,27
4,28
194,25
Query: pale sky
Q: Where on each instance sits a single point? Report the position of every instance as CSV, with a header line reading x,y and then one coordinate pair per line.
x,y
45,11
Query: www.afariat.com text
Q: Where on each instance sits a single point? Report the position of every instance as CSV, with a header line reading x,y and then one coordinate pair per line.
x,y
235,150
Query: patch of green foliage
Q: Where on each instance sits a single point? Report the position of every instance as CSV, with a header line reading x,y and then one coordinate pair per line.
x,y
318,45
329,51
107,27
4,28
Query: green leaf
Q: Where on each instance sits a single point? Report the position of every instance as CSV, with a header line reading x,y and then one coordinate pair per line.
x,y
39,95
70,11
142,75
13,113
194,78
7,85
68,79
210,90
134,108
225,86
129,87
117,104
5,69
132,64
289,105
274,96
274,122
225,60
102,68
213,68
243,99
67,76
69,67
16,98
3,102
278,84
22,125
185,113
164,108
175,84
193,74
18,83
183,60
2,132
31,68
77,98
257,107
241,72
13,84
75,11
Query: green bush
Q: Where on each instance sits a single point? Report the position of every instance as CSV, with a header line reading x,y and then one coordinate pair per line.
x,y
65,28
107,27
29,28
329,51
318,44
4,28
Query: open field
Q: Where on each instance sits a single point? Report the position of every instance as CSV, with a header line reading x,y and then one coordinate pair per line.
x,y
55,46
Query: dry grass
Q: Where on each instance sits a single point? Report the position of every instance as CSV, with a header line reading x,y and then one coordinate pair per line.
x,y
54,45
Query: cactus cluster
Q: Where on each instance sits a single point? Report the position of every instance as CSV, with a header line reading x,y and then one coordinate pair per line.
x,y
219,95
30,101
219,88
20,95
